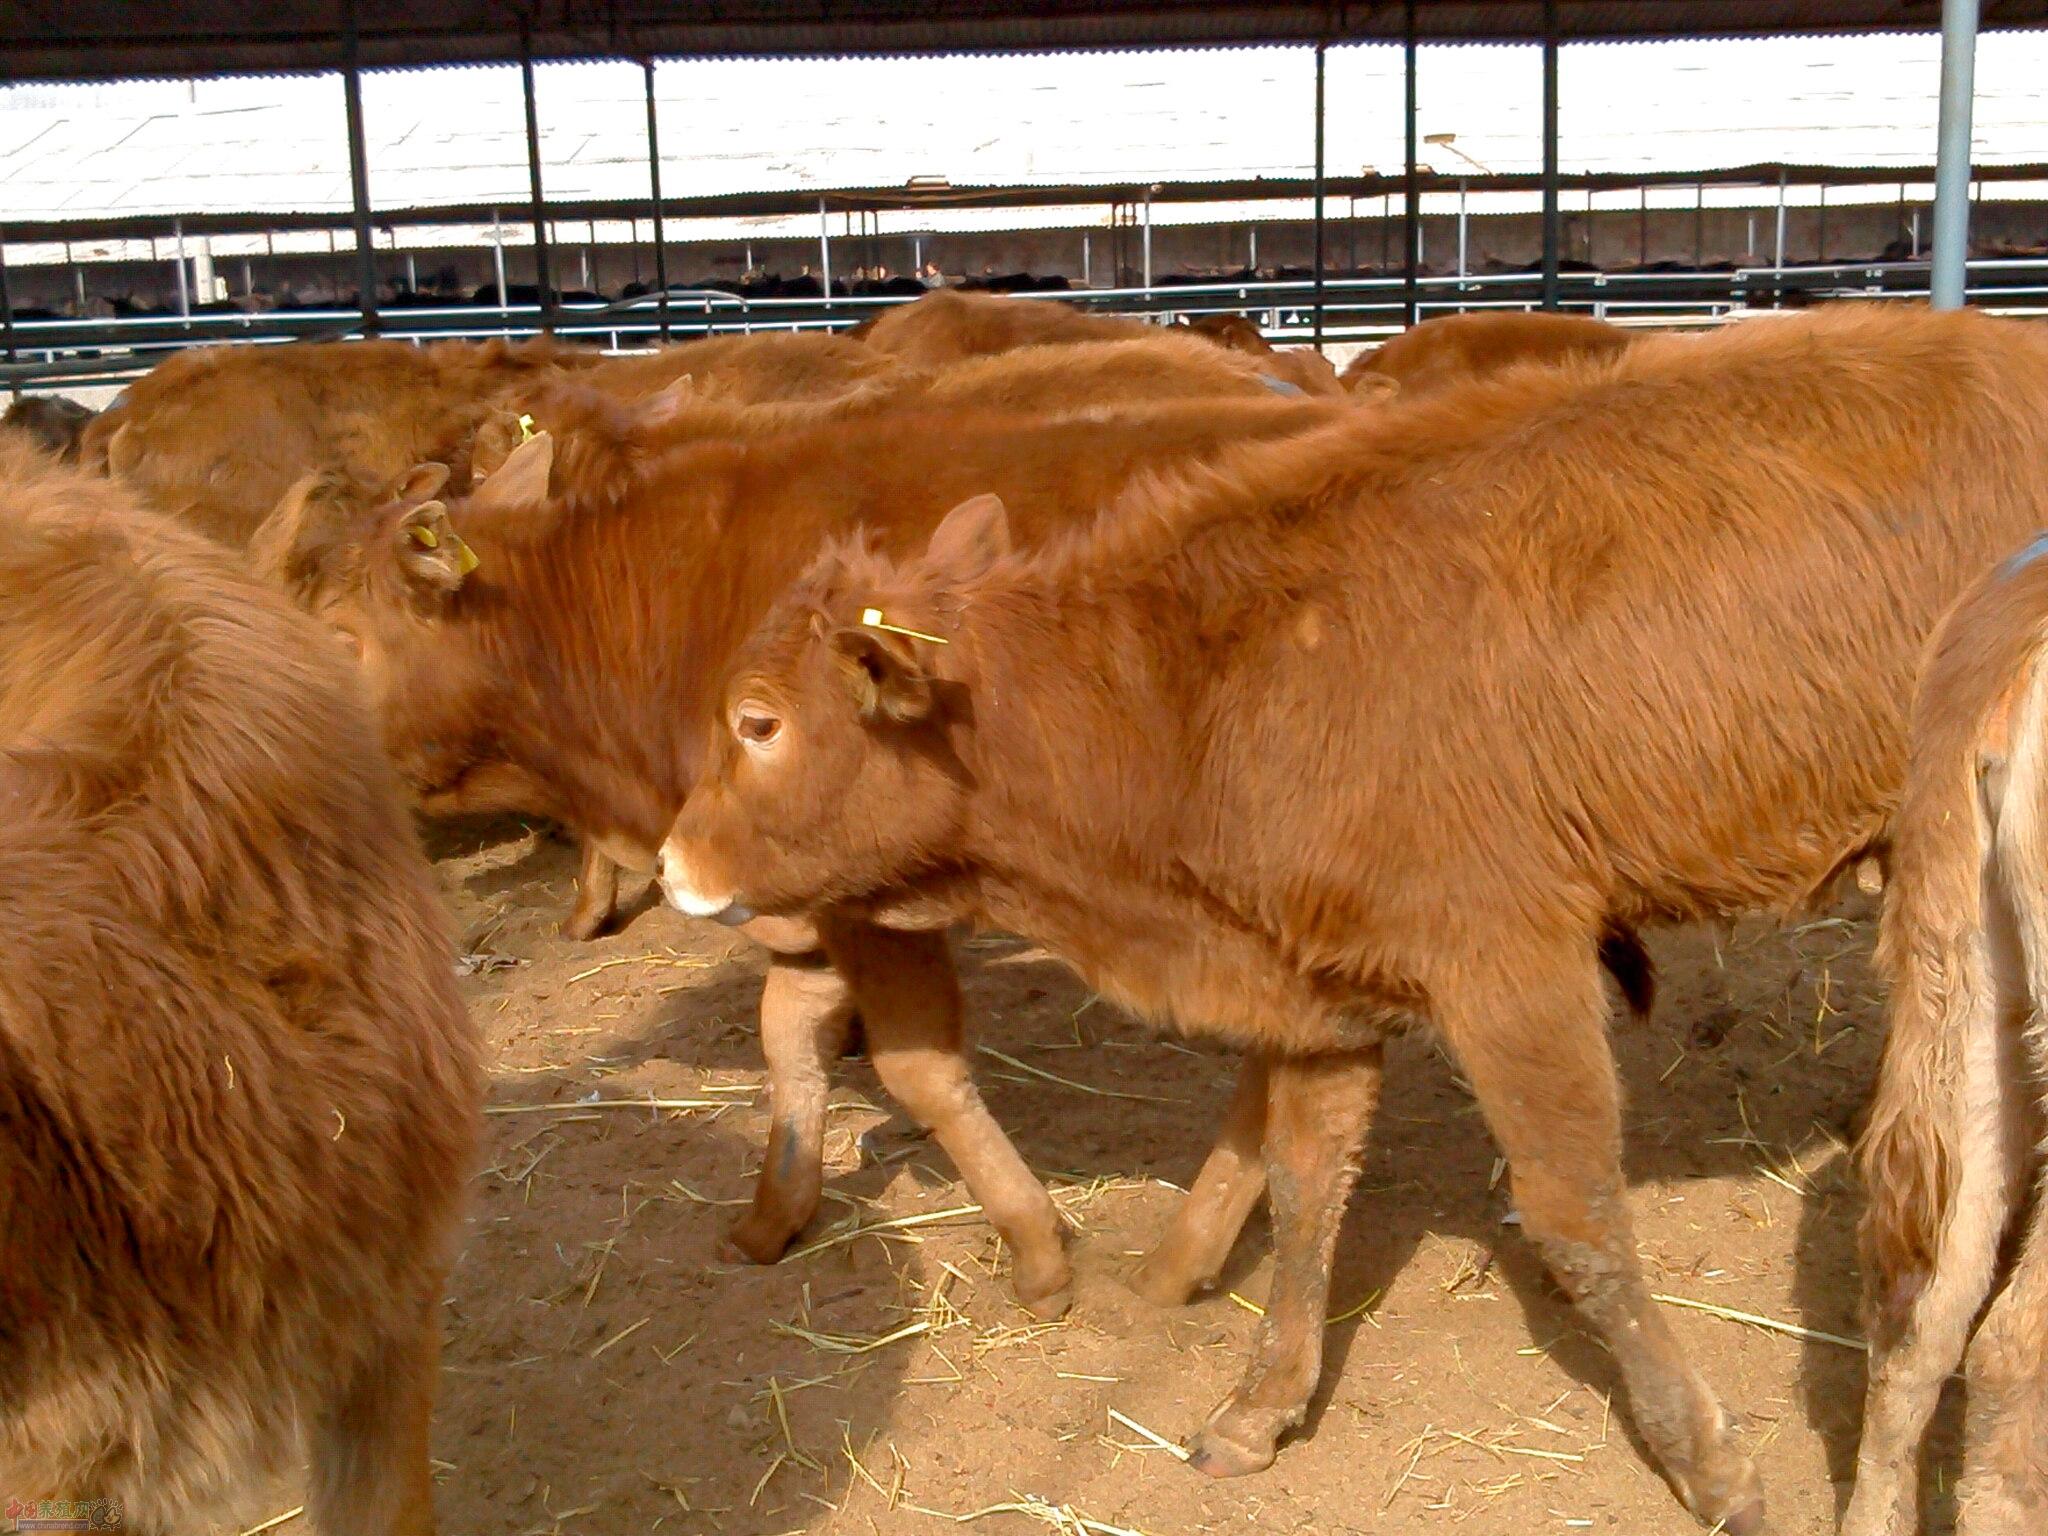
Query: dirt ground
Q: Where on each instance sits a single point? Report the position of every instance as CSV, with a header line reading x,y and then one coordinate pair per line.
x,y
607,1373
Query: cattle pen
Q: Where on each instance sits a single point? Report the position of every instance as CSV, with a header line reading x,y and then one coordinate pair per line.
x,y
731,1264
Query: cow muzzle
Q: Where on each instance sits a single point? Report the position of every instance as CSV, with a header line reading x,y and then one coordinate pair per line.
x,y
688,897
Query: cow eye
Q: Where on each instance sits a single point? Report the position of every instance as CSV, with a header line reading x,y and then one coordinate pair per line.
x,y
756,727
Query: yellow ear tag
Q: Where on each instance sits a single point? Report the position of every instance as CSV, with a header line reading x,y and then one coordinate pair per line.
x,y
423,536
872,618
525,429
465,557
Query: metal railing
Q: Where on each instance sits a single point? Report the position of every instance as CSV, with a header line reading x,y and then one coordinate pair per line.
x,y
50,354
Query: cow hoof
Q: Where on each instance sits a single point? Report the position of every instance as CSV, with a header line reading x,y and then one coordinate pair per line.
x,y
1163,1283
1219,1451
754,1239
1048,1302
1731,1498
584,926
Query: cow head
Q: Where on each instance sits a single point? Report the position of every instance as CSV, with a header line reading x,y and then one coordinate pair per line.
x,y
385,569
832,774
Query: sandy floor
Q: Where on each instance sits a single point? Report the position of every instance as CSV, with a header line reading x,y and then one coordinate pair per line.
x,y
606,1373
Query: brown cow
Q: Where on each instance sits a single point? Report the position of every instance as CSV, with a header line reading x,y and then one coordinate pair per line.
x,y
1951,1156
238,1091
1392,719
54,423
577,662
216,435
948,326
1451,349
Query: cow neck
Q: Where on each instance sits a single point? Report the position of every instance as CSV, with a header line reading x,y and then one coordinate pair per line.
x,y
602,637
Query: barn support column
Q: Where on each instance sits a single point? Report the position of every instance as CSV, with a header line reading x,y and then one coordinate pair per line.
x,y
824,251
1320,51
358,175
654,189
1148,242
1550,209
1462,264
543,265
1952,156
1411,202
7,311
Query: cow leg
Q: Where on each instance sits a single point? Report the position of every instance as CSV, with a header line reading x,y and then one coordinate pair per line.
x,y
909,1000
1535,1050
2004,1491
1196,1246
1921,1324
597,895
370,1474
1318,1109
806,1007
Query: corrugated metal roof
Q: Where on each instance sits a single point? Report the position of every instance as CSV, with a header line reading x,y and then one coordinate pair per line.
x,y
745,138
104,39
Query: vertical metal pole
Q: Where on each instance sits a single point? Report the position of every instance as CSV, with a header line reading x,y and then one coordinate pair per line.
x,y
824,251
184,291
543,267
1461,230
1318,336
1916,234
1087,264
1550,210
498,260
654,188
1148,242
1643,228
1699,225
359,174
1952,156
1411,209
1820,234
1255,250
1778,250
7,307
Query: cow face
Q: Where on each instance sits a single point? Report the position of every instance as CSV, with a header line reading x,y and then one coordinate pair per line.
x,y
383,569
832,775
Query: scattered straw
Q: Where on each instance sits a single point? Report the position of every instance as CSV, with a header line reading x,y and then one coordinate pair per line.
x,y
623,1333
1063,1518
1068,1082
678,962
848,1343
275,1521
1178,1451
1757,1320
875,1228
576,1107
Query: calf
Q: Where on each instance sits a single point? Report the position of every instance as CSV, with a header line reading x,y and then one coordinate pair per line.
x,y
1952,1155
563,649
1450,349
238,1092
1394,720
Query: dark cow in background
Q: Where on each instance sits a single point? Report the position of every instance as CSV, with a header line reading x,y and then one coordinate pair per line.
x,y
238,1090
1952,1158
52,422
1395,719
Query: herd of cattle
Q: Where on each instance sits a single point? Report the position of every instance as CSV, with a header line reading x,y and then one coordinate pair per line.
x,y
1290,710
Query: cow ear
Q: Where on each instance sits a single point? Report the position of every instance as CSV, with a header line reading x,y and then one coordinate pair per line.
x,y
1369,388
521,481
968,540
423,482
430,551
670,399
275,548
888,683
